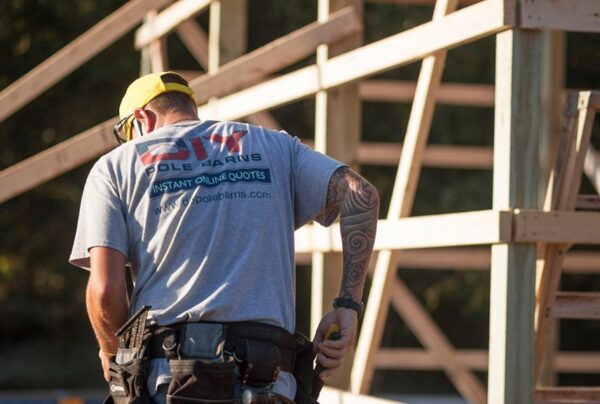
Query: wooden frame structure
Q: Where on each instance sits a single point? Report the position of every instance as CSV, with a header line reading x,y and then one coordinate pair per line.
x,y
240,85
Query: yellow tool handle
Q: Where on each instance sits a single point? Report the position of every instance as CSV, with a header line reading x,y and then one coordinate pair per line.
x,y
333,332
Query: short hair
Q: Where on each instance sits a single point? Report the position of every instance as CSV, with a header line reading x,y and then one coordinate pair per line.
x,y
173,100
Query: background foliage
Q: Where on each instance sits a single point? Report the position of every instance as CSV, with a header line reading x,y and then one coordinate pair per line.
x,y
45,338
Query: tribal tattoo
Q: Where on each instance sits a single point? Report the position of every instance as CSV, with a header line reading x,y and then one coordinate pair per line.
x,y
357,202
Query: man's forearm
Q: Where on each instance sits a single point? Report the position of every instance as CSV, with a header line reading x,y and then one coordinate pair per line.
x,y
357,202
358,225
106,315
106,296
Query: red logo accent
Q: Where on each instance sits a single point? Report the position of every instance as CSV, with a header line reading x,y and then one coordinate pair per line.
x,y
164,151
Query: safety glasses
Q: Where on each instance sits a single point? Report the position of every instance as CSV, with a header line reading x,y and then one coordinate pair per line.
x,y
122,130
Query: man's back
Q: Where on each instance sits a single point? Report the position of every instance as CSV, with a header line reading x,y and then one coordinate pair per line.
x,y
205,213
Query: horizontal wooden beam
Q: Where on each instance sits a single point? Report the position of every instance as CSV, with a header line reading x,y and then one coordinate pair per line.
x,y
469,228
577,305
477,359
168,20
473,259
256,65
569,394
82,49
438,156
480,95
458,28
563,15
57,160
566,227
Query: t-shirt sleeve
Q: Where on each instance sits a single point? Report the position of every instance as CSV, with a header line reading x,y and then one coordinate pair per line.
x,y
101,220
312,172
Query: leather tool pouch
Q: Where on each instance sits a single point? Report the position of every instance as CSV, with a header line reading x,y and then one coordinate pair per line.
x,y
129,369
202,372
308,383
128,379
260,362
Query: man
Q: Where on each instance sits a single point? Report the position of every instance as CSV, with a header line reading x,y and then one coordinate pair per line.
x,y
204,212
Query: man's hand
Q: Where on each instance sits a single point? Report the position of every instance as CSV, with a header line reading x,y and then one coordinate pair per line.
x,y
105,359
331,352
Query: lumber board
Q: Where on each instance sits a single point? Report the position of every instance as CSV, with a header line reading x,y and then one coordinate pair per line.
x,y
516,146
477,359
438,156
433,338
563,15
473,259
567,395
453,229
563,227
167,20
337,134
477,95
458,28
577,305
57,160
73,55
195,40
256,65
385,273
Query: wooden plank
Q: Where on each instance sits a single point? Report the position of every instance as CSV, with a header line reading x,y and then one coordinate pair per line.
x,y
167,20
195,40
563,15
456,29
477,359
567,395
82,49
479,95
157,49
577,305
385,275
516,146
256,65
473,259
400,206
563,186
57,160
565,227
337,134
432,337
453,229
439,156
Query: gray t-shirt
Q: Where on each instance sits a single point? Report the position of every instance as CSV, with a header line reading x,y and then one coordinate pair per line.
x,y
205,214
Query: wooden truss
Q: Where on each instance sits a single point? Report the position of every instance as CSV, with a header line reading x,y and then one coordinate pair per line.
x,y
240,85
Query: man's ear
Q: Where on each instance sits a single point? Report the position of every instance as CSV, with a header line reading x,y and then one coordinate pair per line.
x,y
146,118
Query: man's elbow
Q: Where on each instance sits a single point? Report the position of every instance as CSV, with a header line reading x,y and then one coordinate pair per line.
x,y
102,294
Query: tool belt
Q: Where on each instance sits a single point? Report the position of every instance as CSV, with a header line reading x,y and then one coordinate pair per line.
x,y
259,350
206,359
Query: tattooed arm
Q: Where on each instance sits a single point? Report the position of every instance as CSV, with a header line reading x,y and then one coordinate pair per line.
x,y
357,203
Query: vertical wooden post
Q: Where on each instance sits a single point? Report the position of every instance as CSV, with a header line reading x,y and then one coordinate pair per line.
x,y
516,173
552,90
337,133
154,56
